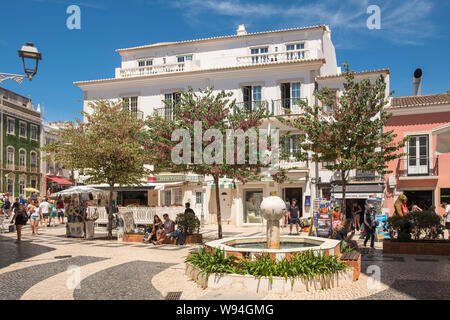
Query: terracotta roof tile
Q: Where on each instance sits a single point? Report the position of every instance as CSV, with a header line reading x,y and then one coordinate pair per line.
x,y
417,101
359,73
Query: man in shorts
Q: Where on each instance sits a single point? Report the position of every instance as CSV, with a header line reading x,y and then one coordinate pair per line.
x,y
44,209
446,207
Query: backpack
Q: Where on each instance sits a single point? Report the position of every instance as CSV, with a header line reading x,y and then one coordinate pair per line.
x,y
22,217
181,239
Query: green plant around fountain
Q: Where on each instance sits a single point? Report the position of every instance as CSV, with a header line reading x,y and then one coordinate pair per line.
x,y
307,264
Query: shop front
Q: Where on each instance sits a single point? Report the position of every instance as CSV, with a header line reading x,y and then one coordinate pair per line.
x,y
56,184
358,193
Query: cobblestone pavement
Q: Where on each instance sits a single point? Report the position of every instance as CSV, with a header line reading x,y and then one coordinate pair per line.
x,y
115,270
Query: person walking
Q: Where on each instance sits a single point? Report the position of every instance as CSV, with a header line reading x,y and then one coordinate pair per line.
x,y
6,206
446,207
20,219
294,214
286,216
370,224
44,209
356,212
60,210
35,216
52,214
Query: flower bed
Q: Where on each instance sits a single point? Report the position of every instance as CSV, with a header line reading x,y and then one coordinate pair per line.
x,y
419,247
307,271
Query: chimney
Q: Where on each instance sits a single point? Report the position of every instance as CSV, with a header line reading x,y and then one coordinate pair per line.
x,y
241,30
417,82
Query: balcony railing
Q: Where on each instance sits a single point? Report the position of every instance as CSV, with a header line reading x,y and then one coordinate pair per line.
x,y
418,166
253,105
293,164
287,106
151,70
292,55
34,169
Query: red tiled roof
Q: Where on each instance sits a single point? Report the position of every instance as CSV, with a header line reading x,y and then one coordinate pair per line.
x,y
418,101
359,73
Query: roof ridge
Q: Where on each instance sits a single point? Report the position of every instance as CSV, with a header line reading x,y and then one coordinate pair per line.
x,y
422,95
221,37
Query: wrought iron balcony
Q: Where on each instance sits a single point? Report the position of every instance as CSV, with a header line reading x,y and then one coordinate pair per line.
x,y
282,107
166,112
253,105
418,167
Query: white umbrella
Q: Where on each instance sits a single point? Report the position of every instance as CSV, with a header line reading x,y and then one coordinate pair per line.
x,y
77,190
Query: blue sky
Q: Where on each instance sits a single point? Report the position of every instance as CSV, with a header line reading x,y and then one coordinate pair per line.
x,y
413,34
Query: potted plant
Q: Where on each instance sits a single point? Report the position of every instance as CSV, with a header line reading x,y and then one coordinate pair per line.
x,y
189,225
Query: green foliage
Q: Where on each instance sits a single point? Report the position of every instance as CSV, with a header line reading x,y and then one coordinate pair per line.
x,y
415,225
345,248
352,134
107,146
303,265
188,223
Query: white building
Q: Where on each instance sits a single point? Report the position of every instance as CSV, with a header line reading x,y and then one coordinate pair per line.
x,y
275,67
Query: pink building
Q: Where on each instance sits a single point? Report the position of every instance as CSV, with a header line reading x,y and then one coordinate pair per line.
x,y
423,174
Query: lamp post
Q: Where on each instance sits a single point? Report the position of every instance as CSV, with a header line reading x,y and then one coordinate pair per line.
x,y
30,58
201,179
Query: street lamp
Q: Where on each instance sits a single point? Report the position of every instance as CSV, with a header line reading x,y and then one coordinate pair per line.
x,y
30,59
201,179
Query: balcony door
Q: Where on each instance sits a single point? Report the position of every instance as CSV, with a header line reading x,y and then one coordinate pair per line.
x,y
418,157
290,94
252,97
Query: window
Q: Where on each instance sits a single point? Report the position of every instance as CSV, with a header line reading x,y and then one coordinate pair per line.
x,y
198,197
10,125
22,129
170,100
178,196
145,63
22,186
22,158
10,155
329,109
130,104
445,195
184,58
259,54
290,94
167,197
296,54
252,97
418,162
33,182
291,146
33,159
10,186
34,132
252,209
365,175
328,163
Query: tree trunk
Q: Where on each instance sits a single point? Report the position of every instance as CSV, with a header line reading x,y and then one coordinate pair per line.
x,y
344,190
219,214
110,213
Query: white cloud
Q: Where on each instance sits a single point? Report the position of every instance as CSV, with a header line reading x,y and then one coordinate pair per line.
x,y
401,22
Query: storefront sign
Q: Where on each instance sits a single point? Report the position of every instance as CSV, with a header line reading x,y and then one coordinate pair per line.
x,y
358,195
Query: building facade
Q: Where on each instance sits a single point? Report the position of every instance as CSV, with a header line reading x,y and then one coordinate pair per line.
x,y
273,69
423,174
21,127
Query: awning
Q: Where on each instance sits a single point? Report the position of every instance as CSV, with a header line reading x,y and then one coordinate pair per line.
x,y
60,181
364,191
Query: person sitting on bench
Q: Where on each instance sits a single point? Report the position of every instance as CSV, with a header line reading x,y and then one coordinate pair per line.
x,y
166,232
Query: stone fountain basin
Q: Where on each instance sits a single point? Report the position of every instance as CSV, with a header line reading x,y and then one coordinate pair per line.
x,y
326,246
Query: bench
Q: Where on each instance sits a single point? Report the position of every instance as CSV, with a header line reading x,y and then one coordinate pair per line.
x,y
352,259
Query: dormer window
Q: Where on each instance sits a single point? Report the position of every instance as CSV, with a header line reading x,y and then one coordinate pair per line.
x,y
184,58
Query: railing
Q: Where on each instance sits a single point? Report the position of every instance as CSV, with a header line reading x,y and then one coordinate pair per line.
x,y
141,215
151,70
287,106
291,55
418,166
10,166
253,105
293,164
34,169
166,113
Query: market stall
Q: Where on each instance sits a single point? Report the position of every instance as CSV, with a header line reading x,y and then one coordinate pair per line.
x,y
80,220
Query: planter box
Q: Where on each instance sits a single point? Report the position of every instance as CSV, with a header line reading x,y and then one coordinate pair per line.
x,y
264,285
132,237
435,248
194,238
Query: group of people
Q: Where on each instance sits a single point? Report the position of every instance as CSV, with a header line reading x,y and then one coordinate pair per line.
x,y
43,212
354,219
163,230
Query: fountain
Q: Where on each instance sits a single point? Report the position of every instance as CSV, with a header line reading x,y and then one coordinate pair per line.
x,y
273,209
